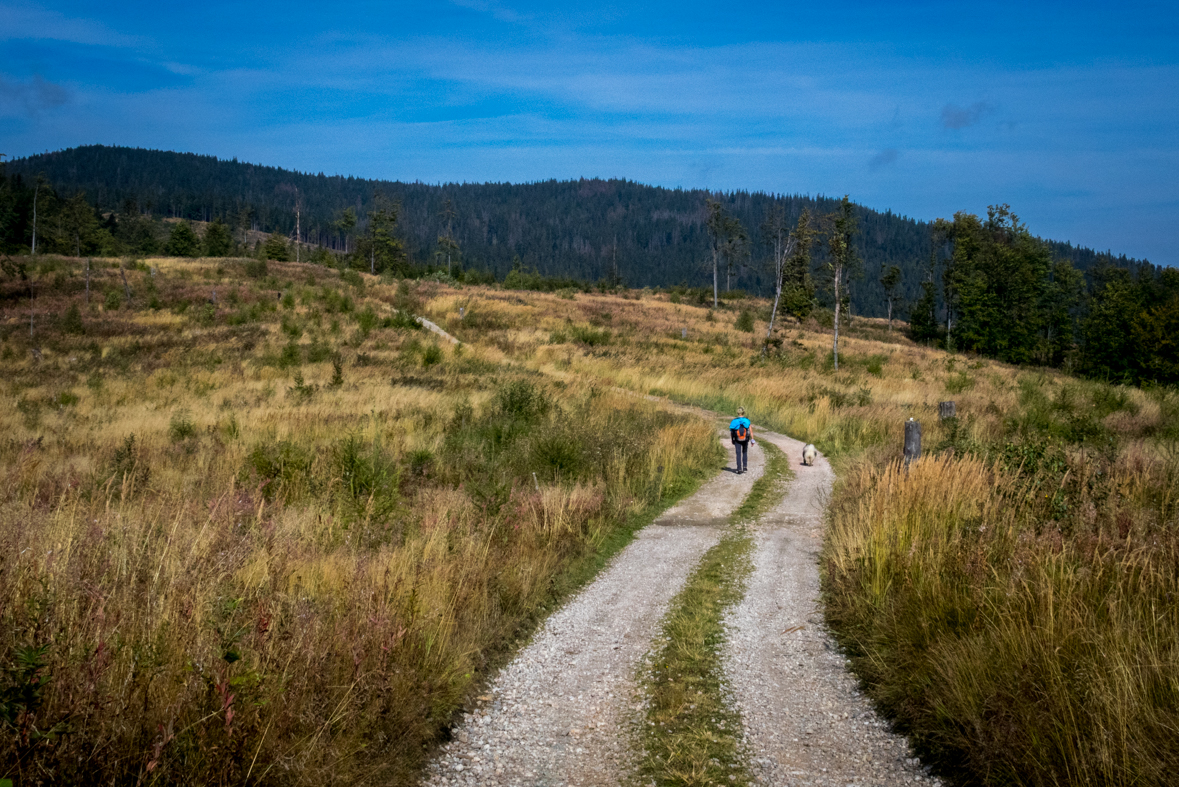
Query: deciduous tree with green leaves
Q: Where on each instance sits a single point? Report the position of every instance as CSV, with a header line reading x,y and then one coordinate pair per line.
x,y
996,281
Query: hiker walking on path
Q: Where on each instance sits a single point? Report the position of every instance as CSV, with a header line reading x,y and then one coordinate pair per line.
x,y
741,431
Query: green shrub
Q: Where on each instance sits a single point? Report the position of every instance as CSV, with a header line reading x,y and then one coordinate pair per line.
x,y
181,427
111,301
431,355
365,470
403,320
366,320
318,352
522,399
593,337
291,327
301,391
281,467
126,462
258,269
66,399
420,461
745,321
958,383
291,356
558,452
71,321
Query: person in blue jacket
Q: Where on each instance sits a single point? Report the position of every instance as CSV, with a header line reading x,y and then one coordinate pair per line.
x,y
741,431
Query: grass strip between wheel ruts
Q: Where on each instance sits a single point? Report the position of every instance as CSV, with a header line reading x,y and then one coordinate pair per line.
x,y
691,734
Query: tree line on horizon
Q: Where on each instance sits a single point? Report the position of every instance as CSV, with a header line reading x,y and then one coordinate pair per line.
x,y
582,229
987,285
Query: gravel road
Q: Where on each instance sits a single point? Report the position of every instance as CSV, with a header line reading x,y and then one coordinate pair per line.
x,y
556,714
806,722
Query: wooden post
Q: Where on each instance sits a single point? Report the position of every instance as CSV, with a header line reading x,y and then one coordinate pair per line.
x,y
912,440
946,410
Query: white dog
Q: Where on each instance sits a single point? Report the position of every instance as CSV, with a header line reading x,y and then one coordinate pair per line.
x,y
808,454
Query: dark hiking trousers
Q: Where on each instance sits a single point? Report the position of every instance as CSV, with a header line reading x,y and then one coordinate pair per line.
x,y
742,450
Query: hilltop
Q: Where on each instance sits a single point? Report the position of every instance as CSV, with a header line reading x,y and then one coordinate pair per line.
x,y
578,229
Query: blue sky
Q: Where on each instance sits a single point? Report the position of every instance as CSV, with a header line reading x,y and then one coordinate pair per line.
x,y
1069,112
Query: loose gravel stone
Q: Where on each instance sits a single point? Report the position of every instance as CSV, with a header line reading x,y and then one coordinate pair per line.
x,y
556,715
805,720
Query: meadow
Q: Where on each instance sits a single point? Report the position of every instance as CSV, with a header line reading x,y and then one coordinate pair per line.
x,y
258,528
1011,599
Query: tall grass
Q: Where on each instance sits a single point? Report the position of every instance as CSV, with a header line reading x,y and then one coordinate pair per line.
x,y
214,567
1017,647
1011,600
212,575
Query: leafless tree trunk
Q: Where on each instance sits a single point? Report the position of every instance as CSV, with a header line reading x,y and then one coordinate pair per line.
x,y
780,254
835,345
126,286
36,191
87,281
715,287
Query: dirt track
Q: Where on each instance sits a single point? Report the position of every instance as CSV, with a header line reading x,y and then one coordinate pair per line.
x,y
557,715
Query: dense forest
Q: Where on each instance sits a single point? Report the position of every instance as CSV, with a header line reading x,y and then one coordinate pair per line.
x,y
982,285
586,229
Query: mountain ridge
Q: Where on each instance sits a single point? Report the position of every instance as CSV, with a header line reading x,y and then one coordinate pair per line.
x,y
578,228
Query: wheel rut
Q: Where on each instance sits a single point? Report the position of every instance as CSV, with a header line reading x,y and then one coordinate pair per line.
x,y
560,712
805,720
555,714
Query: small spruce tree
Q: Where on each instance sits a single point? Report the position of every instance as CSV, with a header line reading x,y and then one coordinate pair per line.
x,y
276,248
182,242
218,240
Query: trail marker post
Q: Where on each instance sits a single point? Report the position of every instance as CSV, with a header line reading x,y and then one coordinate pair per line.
x,y
912,440
946,410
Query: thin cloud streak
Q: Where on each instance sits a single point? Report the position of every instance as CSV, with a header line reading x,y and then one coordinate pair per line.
x,y
955,117
484,91
30,99
33,22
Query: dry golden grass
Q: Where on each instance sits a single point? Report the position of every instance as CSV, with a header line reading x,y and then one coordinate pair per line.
x,y
281,578
338,563
1011,599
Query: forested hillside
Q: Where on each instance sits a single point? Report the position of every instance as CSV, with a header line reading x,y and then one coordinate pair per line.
x,y
580,229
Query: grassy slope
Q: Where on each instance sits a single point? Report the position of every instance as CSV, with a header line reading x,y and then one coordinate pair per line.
x,y
279,538
1011,601
1012,606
